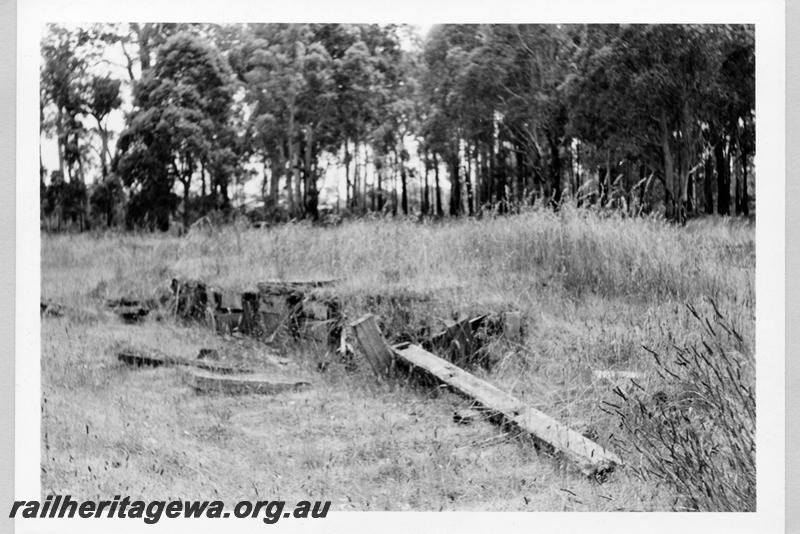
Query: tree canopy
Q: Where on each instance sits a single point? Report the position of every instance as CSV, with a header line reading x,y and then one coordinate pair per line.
x,y
157,123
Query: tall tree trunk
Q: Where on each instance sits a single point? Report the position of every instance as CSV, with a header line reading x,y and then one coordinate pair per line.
x,y
403,189
468,180
425,208
290,172
642,186
723,178
297,180
669,174
143,40
394,186
555,174
708,193
455,186
571,174
377,200
61,141
104,152
276,168
578,179
681,185
185,180
312,195
356,178
499,171
43,173
225,199
439,211
745,194
518,185
264,181
346,174
605,180
354,195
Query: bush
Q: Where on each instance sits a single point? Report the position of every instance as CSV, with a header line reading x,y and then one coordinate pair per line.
x,y
695,432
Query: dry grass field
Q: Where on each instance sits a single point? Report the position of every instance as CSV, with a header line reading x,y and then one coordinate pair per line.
x,y
592,290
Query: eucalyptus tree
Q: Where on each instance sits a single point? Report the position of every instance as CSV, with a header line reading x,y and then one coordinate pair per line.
x,y
62,88
181,118
446,55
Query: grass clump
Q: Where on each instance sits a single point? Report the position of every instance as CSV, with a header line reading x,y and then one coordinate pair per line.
x,y
693,429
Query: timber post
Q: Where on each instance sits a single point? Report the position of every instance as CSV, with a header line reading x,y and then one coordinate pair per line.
x,y
377,352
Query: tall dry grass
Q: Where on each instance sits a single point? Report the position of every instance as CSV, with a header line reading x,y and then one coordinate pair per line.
x,y
576,251
592,288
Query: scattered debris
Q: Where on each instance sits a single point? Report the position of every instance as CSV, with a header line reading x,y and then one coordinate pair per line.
x,y
190,300
591,458
227,321
133,314
296,308
467,416
346,353
126,302
256,384
132,310
51,309
458,341
273,307
465,342
155,358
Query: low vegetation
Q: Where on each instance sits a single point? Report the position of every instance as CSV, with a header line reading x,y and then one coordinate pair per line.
x,y
593,288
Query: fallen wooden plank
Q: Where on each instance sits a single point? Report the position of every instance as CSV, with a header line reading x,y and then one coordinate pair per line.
x,y
591,458
372,345
152,358
253,384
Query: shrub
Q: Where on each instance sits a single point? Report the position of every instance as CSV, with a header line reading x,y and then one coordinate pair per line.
x,y
695,432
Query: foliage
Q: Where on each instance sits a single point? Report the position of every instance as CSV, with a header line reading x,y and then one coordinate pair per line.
x,y
473,119
696,431
180,123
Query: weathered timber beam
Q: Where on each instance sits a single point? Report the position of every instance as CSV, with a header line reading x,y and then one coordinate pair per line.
x,y
591,458
372,345
256,384
152,358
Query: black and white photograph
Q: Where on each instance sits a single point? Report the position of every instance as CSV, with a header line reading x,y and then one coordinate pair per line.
x,y
291,268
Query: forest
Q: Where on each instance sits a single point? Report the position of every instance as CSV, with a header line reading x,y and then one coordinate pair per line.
x,y
158,125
